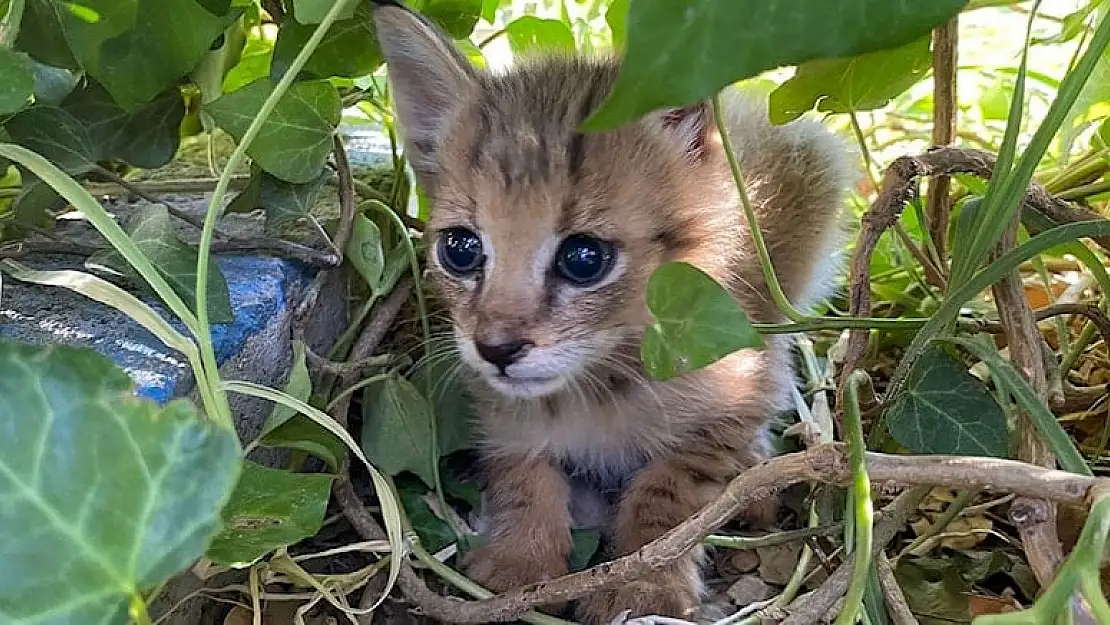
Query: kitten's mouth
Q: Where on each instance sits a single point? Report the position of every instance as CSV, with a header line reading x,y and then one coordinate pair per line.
x,y
525,387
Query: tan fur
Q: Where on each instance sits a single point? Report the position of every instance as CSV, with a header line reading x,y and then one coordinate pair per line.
x,y
499,154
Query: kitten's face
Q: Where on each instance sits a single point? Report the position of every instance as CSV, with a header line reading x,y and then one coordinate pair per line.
x,y
541,239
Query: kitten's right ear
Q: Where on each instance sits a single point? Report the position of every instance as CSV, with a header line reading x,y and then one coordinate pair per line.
x,y
428,75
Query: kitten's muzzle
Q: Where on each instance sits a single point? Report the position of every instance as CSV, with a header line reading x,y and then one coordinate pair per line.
x,y
503,354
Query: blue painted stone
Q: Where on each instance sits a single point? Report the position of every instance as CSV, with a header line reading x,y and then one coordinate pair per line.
x,y
259,290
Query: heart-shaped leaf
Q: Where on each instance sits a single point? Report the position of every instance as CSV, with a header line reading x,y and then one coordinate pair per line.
x,y
946,410
696,322
679,53
296,138
146,137
397,428
269,508
104,495
530,33
860,83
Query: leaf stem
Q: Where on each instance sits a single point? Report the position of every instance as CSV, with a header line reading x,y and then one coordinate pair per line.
x,y
773,285
863,512
208,353
426,328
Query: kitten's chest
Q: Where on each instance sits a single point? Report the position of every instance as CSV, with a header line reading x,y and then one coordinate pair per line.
x,y
603,441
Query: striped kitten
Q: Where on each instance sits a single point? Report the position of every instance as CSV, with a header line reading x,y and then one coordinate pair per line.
x,y
541,242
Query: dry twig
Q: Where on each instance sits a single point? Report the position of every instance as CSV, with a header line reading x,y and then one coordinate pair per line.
x,y
826,463
1034,518
939,209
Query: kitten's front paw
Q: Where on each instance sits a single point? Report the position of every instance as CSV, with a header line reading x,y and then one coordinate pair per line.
x,y
669,596
501,567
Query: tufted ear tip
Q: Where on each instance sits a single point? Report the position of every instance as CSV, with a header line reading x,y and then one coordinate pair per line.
x,y
690,125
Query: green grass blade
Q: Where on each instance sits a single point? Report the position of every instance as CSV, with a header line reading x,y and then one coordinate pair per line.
x,y
990,274
390,505
83,201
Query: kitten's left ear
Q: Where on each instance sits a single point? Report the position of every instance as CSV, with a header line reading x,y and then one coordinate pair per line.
x,y
690,126
428,75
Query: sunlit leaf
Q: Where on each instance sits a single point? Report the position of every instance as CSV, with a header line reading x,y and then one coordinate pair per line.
x,y
860,83
530,33
296,138
679,53
696,322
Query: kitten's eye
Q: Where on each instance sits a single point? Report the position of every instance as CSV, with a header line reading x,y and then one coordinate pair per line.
x,y
584,260
460,251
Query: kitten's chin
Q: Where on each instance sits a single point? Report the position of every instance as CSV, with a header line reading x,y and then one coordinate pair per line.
x,y
525,388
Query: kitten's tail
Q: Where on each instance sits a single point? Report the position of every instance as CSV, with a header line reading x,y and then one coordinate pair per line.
x,y
797,176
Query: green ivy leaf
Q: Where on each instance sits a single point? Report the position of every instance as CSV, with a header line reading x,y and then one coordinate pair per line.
x,y
946,410
36,202
457,17
254,63
696,322
434,532
284,202
139,48
616,16
297,385
364,250
349,49
489,10
105,494
313,11
683,52
586,543
530,33
147,137
296,138
397,428
17,82
176,260
860,83
56,135
41,34
269,508
304,434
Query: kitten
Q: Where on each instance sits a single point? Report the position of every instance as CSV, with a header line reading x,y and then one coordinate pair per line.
x,y
541,242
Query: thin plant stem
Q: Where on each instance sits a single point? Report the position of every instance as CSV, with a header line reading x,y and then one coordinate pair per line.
x,y
863,512
208,353
773,284
426,328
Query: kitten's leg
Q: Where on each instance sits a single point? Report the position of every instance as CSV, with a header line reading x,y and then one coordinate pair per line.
x,y
663,495
529,524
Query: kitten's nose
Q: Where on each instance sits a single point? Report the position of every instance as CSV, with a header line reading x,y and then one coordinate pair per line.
x,y
503,354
